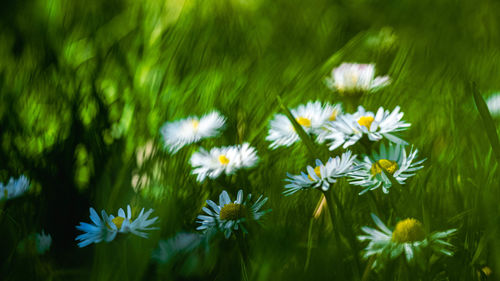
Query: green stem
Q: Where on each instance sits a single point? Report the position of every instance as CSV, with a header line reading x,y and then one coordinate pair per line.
x,y
368,269
331,197
309,244
331,210
351,103
124,257
374,203
347,225
244,259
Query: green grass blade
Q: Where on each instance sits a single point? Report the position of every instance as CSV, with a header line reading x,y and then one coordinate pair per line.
x,y
489,125
306,139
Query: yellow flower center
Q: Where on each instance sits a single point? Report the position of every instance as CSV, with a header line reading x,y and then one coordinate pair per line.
x,y
365,121
232,211
333,116
195,123
317,171
223,160
306,122
384,165
118,221
408,230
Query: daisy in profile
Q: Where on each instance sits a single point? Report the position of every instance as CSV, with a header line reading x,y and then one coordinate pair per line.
x,y
14,188
408,239
493,103
229,216
107,227
123,223
353,79
311,116
192,129
348,129
323,175
100,229
218,160
373,170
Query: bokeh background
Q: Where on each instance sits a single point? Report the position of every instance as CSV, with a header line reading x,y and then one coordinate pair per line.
x,y
86,85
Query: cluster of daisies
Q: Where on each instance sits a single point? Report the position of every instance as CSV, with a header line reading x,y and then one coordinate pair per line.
x,y
39,242
391,163
218,160
227,216
363,128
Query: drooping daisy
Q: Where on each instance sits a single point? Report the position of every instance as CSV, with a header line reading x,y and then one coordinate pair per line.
x,y
350,128
229,216
14,188
408,238
105,229
322,175
179,133
353,79
373,170
97,232
220,160
311,116
493,103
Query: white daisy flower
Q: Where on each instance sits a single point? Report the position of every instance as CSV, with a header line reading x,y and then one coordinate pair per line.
x,y
42,242
192,129
408,238
350,128
14,188
311,116
247,156
100,230
353,79
329,113
231,216
322,175
125,224
493,103
105,229
373,170
220,160
212,164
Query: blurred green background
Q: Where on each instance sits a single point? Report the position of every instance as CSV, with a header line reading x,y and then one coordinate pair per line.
x,y
86,85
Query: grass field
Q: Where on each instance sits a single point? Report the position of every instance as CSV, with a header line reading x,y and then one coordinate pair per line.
x,y
86,86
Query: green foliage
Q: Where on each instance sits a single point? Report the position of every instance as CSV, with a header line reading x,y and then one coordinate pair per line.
x,y
86,85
